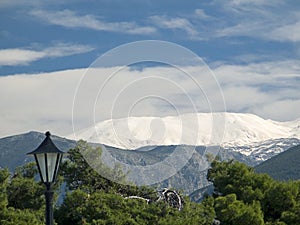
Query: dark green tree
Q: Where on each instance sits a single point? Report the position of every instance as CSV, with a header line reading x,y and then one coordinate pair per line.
x,y
101,207
79,174
243,190
237,178
232,211
24,212
281,200
93,199
4,179
25,193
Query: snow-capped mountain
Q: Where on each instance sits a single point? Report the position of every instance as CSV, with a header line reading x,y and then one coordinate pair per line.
x,y
244,133
258,152
247,138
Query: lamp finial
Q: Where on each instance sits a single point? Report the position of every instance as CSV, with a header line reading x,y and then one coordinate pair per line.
x,y
47,134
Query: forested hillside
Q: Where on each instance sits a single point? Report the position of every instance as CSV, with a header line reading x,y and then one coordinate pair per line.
x,y
240,197
285,166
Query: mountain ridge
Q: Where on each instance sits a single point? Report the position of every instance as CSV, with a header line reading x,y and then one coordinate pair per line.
x,y
190,178
224,129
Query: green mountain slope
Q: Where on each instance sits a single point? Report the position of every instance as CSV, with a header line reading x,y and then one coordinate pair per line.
x,y
285,166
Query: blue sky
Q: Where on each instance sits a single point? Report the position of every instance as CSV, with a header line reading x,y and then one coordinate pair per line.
x,y
252,47
215,30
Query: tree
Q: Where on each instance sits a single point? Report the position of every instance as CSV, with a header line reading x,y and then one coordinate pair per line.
x,y
4,178
78,174
232,211
240,179
93,199
281,200
25,193
20,215
101,207
241,189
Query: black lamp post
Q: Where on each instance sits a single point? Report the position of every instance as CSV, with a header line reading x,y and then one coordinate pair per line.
x,y
48,158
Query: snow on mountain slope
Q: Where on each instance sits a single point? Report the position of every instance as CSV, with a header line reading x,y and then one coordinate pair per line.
x,y
224,129
258,152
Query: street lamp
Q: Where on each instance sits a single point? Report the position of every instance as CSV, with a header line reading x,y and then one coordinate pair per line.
x,y
48,158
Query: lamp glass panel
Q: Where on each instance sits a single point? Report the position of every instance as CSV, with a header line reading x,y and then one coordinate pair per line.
x,y
51,161
41,163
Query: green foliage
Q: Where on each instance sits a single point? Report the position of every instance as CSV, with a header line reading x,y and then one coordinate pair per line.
x,y
29,170
22,217
241,197
101,207
4,178
25,193
19,198
233,211
96,200
280,199
292,216
234,177
247,196
78,174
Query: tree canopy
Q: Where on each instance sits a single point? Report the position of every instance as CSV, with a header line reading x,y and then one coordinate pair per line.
x,y
245,197
241,196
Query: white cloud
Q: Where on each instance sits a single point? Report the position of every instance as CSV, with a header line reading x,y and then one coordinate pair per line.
x,y
253,2
64,49
245,28
200,13
289,32
283,31
12,57
175,23
37,102
261,88
68,18
45,101
279,109
262,19
23,56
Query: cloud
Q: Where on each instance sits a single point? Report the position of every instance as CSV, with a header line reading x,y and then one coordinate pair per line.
x,y
200,13
253,2
263,29
260,87
289,32
13,57
245,28
24,56
175,23
278,108
70,19
37,102
46,101
260,19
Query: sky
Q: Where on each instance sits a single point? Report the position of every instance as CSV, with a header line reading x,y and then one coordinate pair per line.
x,y
67,66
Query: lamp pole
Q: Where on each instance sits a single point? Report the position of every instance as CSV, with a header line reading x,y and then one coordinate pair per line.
x,y
48,158
49,204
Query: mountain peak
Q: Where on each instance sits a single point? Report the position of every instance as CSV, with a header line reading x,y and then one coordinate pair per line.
x,y
224,129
